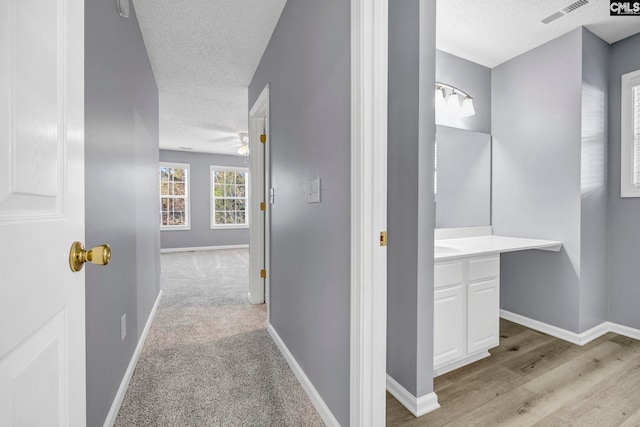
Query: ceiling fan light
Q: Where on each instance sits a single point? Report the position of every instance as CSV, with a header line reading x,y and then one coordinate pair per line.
x,y
243,150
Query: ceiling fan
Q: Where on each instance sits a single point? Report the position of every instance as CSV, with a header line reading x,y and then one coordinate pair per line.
x,y
243,144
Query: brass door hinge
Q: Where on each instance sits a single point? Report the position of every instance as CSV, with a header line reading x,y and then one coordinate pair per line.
x,y
263,274
263,138
383,238
263,206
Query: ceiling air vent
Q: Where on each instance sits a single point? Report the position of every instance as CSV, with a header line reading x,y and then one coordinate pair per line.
x,y
574,6
553,17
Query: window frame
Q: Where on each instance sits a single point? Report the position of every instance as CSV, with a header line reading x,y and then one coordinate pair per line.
x,y
212,198
627,158
187,195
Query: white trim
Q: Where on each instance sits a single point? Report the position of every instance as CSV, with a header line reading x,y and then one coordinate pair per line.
x,y
627,188
460,363
122,390
307,385
418,406
202,248
572,337
369,63
259,220
624,330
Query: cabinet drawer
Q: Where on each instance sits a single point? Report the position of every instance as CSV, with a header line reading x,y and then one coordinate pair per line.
x,y
484,268
448,273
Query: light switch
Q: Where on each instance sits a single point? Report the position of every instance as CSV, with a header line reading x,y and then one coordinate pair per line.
x,y
313,191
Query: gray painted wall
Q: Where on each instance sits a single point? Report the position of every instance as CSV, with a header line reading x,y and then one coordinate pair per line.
x,y
472,78
121,155
536,129
624,233
464,178
307,67
549,178
593,210
411,210
201,233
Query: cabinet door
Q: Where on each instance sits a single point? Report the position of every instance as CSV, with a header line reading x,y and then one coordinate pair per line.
x,y
449,324
483,313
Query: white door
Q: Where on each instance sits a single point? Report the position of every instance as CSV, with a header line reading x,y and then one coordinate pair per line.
x,y
483,316
449,324
261,200
42,343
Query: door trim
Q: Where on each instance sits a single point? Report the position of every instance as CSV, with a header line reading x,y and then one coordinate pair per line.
x,y
259,175
369,29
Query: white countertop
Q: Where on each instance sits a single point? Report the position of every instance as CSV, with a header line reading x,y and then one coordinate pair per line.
x,y
483,245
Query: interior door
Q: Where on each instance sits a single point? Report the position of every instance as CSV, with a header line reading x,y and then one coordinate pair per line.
x,y
42,351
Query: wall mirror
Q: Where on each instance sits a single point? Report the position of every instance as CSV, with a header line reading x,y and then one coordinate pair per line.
x,y
463,178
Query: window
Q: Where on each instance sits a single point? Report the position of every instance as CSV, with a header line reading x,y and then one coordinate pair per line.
x,y
174,196
630,144
229,197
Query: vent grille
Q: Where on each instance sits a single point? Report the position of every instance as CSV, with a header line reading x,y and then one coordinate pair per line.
x,y
553,17
574,6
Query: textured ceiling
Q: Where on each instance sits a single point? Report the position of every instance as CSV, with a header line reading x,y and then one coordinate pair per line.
x,y
203,54
490,32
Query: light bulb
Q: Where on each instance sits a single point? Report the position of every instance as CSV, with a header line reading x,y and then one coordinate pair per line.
x,y
440,100
453,105
467,109
243,150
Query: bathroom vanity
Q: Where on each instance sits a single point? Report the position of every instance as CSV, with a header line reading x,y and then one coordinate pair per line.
x,y
467,295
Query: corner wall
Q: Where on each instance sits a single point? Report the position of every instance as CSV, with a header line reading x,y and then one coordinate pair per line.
x,y
307,67
201,234
411,209
593,182
624,233
121,186
536,127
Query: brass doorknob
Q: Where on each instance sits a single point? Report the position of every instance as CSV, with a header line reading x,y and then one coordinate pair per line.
x,y
78,256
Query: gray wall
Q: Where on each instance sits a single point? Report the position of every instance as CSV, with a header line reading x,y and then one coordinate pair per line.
x,y
201,233
307,67
624,233
472,78
464,178
411,210
549,169
593,210
121,155
536,129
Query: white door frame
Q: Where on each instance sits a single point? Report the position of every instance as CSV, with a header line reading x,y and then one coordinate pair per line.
x,y
369,29
259,220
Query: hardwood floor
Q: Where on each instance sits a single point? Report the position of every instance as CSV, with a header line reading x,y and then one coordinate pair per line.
x,y
533,379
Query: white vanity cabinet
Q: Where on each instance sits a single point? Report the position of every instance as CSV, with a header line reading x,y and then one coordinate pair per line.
x,y
466,310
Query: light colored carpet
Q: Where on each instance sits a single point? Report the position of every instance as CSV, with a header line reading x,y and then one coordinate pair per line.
x,y
208,359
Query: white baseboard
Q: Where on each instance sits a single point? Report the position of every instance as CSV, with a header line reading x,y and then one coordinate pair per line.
x,y
202,248
117,402
572,337
624,330
418,406
321,407
460,363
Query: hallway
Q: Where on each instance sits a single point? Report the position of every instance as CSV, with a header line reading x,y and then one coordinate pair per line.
x,y
208,359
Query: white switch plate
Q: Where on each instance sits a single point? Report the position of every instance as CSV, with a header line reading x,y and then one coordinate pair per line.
x,y
123,327
313,191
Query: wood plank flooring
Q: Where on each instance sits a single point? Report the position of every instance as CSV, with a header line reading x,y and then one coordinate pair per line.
x,y
533,379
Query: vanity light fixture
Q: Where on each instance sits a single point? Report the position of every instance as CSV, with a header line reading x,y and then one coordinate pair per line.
x,y
448,101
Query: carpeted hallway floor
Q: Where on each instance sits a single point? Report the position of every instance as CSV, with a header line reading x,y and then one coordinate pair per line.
x,y
208,359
